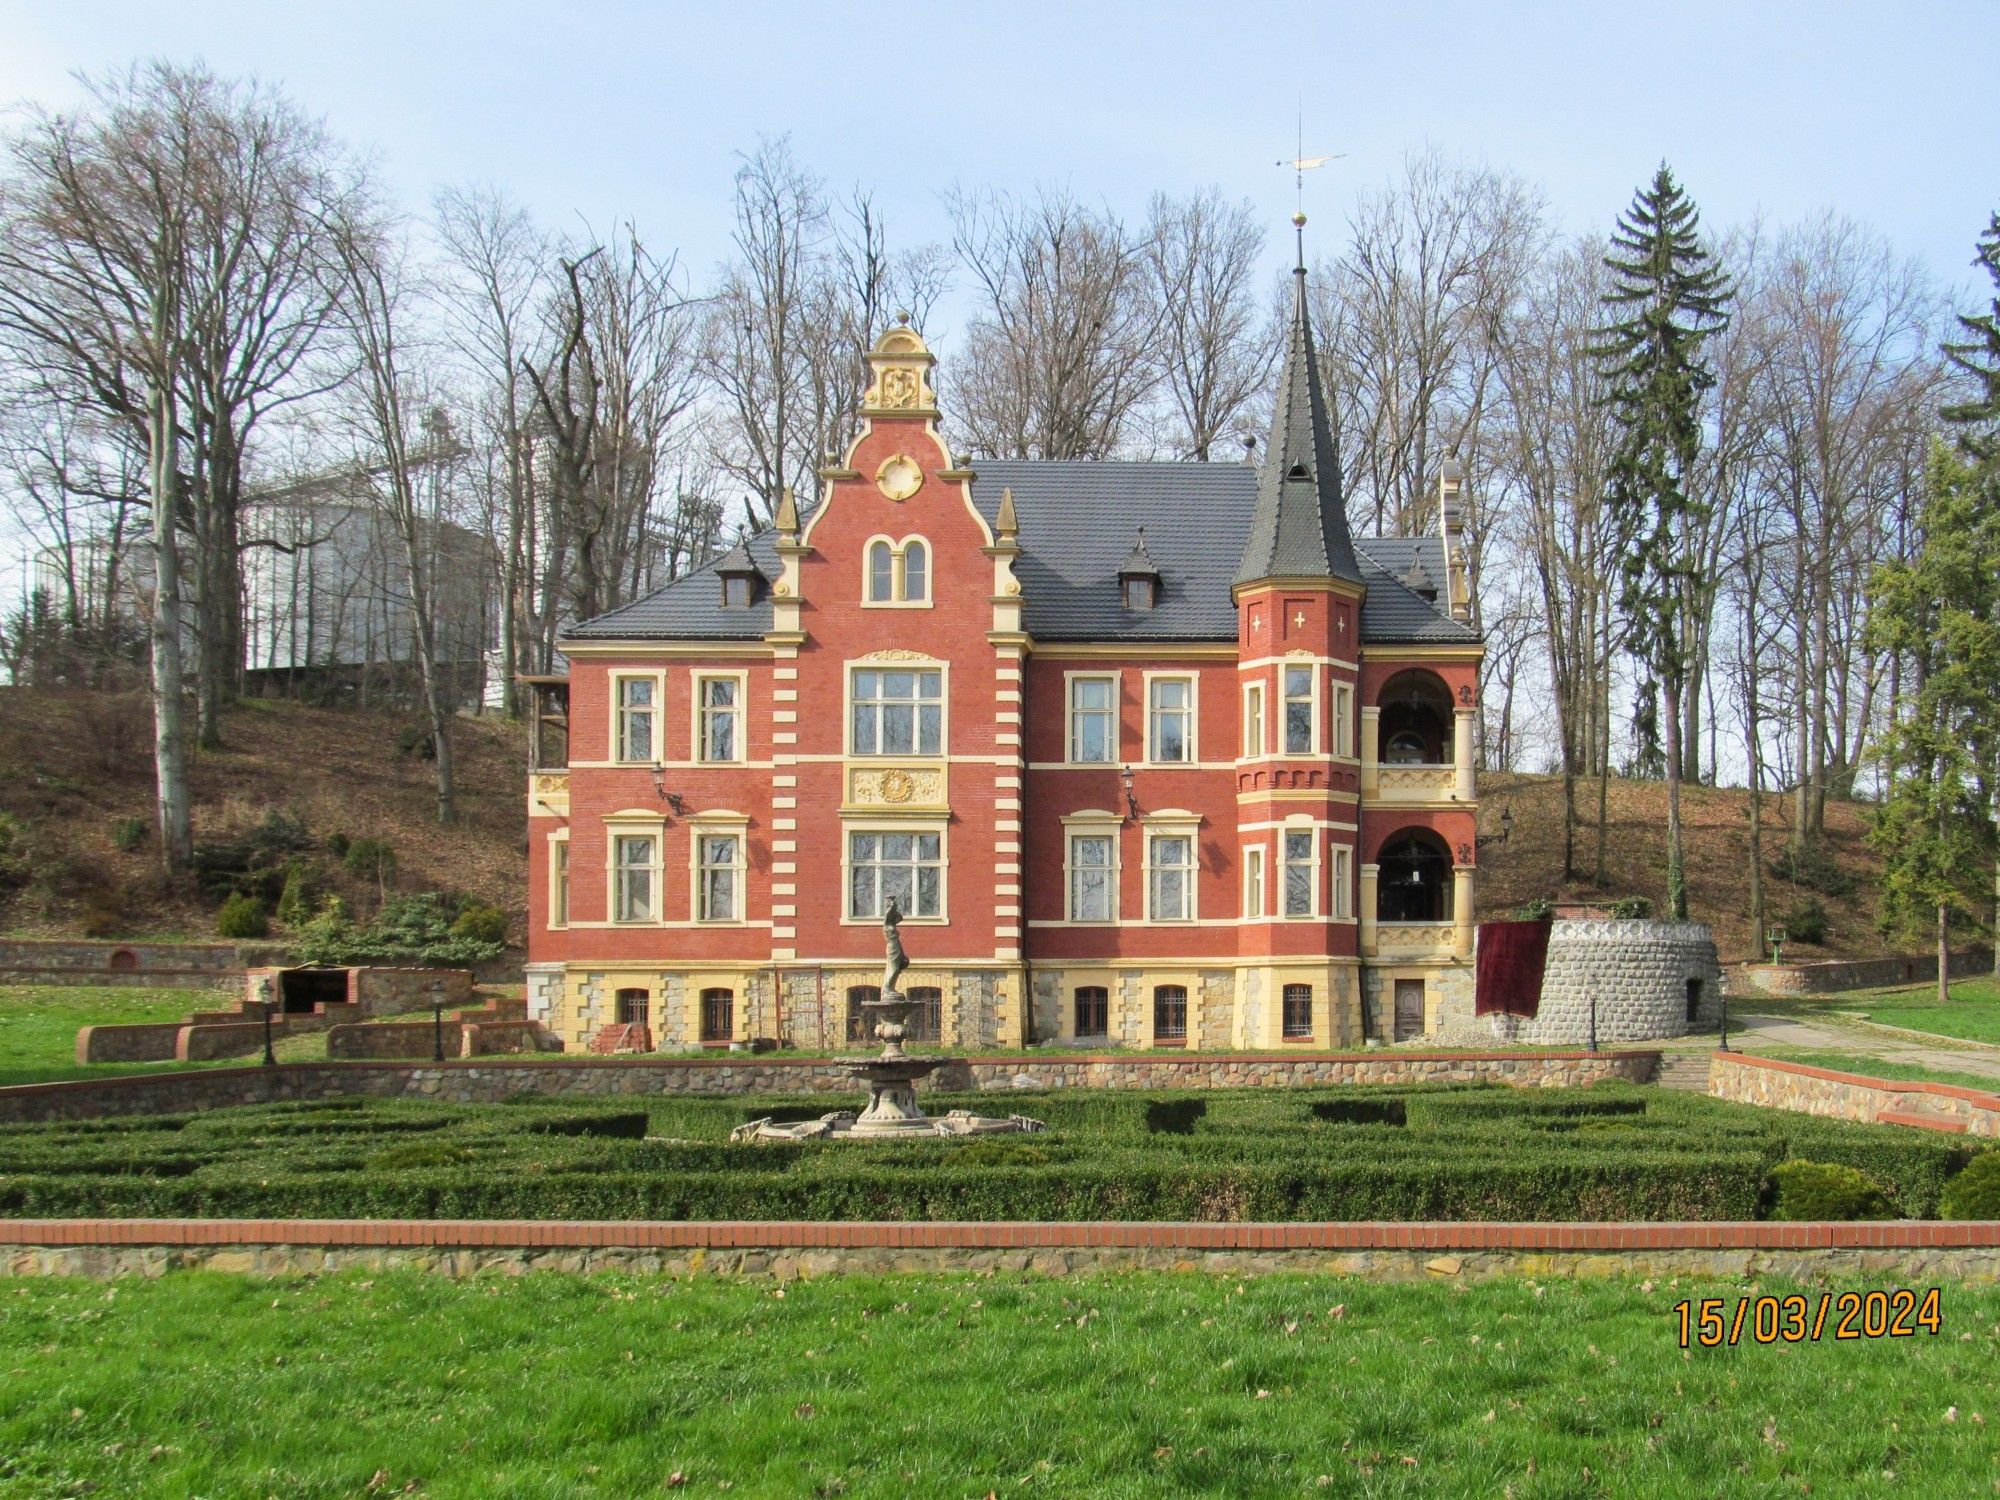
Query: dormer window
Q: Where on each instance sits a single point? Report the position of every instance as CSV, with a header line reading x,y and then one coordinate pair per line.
x,y
1297,471
1138,579
740,577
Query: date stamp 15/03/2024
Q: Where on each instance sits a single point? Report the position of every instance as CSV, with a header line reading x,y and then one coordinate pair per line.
x,y
1901,1312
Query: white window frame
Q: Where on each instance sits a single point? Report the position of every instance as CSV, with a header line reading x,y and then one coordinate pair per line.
x,y
616,830
1113,742
943,701
1287,864
1253,720
1192,682
885,829
559,881
1343,720
1108,832
657,709
1343,875
1253,883
1286,697
708,825
1171,827
740,711
900,596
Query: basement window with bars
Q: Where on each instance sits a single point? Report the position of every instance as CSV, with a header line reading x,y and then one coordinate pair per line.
x,y
718,1015
1298,1013
1170,1013
1093,1010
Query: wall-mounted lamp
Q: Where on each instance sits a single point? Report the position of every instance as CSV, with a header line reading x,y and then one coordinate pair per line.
x,y
672,799
1506,822
1131,801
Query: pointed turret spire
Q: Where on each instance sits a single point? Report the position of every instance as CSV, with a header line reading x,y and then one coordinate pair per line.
x,y
1299,528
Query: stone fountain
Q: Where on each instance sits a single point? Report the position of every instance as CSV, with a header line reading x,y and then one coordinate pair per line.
x,y
892,1112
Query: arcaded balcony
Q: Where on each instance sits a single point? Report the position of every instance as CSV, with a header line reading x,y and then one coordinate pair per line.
x,y
1416,744
1416,903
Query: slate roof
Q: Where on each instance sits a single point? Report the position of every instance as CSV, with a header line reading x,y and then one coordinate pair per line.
x,y
1077,520
1299,526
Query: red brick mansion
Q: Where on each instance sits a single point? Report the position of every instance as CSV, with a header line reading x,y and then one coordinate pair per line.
x,y
1148,754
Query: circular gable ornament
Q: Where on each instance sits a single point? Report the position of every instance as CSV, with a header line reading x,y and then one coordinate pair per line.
x,y
899,477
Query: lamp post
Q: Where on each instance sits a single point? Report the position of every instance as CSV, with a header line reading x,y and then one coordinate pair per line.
x,y
437,1020
1724,997
1593,1020
264,991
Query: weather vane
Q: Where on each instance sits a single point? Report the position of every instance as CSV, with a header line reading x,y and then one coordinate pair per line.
x,y
1302,164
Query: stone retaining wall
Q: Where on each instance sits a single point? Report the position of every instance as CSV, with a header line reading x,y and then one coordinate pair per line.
x,y
1829,976
1850,1096
80,961
462,1038
477,1082
1907,1251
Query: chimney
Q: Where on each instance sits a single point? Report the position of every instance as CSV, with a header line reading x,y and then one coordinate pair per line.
x,y
1451,526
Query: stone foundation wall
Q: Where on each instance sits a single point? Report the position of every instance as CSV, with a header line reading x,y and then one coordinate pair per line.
x,y
1638,973
1849,1096
1915,1252
1829,976
474,1082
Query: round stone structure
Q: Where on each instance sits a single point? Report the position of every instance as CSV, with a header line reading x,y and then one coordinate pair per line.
x,y
1650,980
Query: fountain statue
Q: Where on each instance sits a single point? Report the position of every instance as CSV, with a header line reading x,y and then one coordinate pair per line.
x,y
892,1111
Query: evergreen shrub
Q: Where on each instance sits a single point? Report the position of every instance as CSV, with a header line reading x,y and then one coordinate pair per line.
x,y
243,916
1813,1190
1975,1192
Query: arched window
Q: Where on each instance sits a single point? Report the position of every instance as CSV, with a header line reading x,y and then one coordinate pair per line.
x,y
1416,720
881,573
916,572
1414,882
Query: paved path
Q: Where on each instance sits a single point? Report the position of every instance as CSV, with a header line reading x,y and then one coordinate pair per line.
x,y
1835,1033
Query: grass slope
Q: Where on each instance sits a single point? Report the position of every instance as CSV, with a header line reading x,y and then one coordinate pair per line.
x,y
1126,1386
38,1026
1973,1014
1717,821
72,764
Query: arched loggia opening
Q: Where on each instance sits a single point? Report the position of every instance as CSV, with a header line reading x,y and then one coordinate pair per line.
x,y
1414,879
1415,719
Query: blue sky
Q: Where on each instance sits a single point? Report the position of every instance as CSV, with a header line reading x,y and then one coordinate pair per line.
x,y
596,109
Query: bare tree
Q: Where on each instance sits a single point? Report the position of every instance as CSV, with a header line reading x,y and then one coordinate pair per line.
x,y
496,264
406,447
97,226
1061,351
1215,351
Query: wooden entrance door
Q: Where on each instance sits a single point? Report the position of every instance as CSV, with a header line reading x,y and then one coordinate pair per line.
x,y
1409,1009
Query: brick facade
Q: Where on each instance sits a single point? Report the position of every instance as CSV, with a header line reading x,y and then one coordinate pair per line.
x,y
996,811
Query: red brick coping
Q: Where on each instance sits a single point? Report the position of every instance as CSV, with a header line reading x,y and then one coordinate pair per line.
x,y
1905,1234
1980,1097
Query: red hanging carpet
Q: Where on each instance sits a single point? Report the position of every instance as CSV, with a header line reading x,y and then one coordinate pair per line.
x,y
1508,979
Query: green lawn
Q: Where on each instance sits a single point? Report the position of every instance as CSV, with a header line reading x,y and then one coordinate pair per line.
x,y
1973,1014
39,1022
1611,1152
1108,1386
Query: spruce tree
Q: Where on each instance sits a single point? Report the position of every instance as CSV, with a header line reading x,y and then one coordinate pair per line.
x,y
1667,298
1941,612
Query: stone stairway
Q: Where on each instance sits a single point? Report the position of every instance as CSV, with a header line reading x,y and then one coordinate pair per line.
x,y
1686,1071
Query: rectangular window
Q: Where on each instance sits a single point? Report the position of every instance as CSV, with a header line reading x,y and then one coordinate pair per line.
x,y
1299,872
635,866
1253,883
1298,1016
926,1023
1090,878
1093,1010
1298,710
718,1015
636,706
1343,870
635,1007
907,868
1170,1013
558,882
1171,876
1170,719
1253,720
1093,719
860,1026
717,879
721,719
1343,720
898,713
